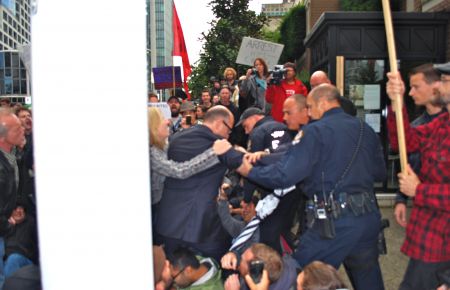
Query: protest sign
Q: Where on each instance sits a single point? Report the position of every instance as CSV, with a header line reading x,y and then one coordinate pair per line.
x,y
164,107
252,48
164,77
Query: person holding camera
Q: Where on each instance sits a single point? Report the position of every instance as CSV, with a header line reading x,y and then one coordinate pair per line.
x,y
277,93
252,91
259,258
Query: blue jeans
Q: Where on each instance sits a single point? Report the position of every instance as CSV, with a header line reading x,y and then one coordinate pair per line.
x,y
14,262
355,245
2,253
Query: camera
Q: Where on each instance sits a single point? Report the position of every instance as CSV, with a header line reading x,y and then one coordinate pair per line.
x,y
277,75
382,249
256,268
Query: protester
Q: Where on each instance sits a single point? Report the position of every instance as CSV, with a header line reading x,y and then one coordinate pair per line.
x,y
225,100
319,276
428,228
252,90
5,103
175,122
232,225
206,99
194,273
338,158
200,112
153,97
11,135
188,115
230,76
277,93
423,82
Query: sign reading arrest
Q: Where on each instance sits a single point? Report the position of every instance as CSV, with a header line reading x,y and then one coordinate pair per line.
x,y
252,48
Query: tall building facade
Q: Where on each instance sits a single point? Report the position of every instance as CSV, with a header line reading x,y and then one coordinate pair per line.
x,y
276,11
159,33
14,32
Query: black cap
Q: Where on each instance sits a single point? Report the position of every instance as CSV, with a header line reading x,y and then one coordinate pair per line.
x,y
174,97
248,113
443,68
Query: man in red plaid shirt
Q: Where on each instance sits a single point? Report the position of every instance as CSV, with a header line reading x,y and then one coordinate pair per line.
x,y
427,240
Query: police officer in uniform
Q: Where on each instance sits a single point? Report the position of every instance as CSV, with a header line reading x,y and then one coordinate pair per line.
x,y
266,134
338,157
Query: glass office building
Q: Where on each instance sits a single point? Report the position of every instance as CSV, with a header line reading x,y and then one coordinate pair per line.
x,y
14,32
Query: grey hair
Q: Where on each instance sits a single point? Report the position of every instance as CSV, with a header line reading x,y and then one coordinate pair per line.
x,y
3,114
217,112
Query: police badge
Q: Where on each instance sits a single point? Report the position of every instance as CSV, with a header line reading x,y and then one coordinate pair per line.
x,y
297,137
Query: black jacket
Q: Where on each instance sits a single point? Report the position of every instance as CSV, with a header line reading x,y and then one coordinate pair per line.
x,y
8,194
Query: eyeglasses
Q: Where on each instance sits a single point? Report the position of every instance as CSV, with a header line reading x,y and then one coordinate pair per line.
x,y
174,277
228,126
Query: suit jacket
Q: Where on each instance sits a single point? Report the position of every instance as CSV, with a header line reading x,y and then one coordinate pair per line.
x,y
188,208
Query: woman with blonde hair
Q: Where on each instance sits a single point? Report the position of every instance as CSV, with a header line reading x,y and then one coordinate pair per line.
x,y
230,76
162,167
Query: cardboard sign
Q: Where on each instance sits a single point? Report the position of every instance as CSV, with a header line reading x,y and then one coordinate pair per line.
x,y
164,76
164,107
252,48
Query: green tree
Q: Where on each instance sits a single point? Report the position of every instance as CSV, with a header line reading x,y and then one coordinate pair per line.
x,y
233,21
367,5
292,34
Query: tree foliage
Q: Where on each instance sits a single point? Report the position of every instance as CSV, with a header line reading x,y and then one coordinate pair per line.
x,y
367,5
221,45
292,34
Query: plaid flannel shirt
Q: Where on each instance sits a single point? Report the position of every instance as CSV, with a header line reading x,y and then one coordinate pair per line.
x,y
428,230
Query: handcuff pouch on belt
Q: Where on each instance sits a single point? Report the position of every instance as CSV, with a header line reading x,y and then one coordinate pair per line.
x,y
326,211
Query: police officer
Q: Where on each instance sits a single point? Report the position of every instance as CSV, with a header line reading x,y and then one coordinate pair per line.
x,y
338,157
266,134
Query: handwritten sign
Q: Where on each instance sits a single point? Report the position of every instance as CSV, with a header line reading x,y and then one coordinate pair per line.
x,y
252,48
163,107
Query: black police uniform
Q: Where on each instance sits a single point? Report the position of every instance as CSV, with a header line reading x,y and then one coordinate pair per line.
x,y
318,156
269,135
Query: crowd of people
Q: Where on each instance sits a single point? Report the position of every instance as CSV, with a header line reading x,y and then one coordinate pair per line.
x,y
292,189
266,185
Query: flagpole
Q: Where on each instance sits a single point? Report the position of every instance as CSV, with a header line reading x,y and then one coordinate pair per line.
x,y
398,98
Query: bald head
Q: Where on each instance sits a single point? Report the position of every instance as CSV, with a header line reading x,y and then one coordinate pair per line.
x,y
319,77
321,99
220,120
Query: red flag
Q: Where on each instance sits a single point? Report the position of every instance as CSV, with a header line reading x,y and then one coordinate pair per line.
x,y
179,49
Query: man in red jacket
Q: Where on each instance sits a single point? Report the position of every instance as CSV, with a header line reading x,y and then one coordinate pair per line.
x,y
276,94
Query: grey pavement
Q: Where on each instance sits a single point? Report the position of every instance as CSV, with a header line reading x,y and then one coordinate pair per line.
x,y
393,265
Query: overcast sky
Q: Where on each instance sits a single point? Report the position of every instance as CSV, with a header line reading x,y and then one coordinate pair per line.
x,y
194,17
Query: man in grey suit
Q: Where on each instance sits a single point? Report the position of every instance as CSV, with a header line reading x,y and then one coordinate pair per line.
x,y
188,211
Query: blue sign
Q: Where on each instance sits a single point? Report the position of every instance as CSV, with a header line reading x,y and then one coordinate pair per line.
x,y
164,77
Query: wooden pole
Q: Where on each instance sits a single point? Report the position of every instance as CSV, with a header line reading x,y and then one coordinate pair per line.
x,y
398,99
340,74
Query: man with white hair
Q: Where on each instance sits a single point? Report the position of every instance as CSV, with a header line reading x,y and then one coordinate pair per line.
x,y
11,135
